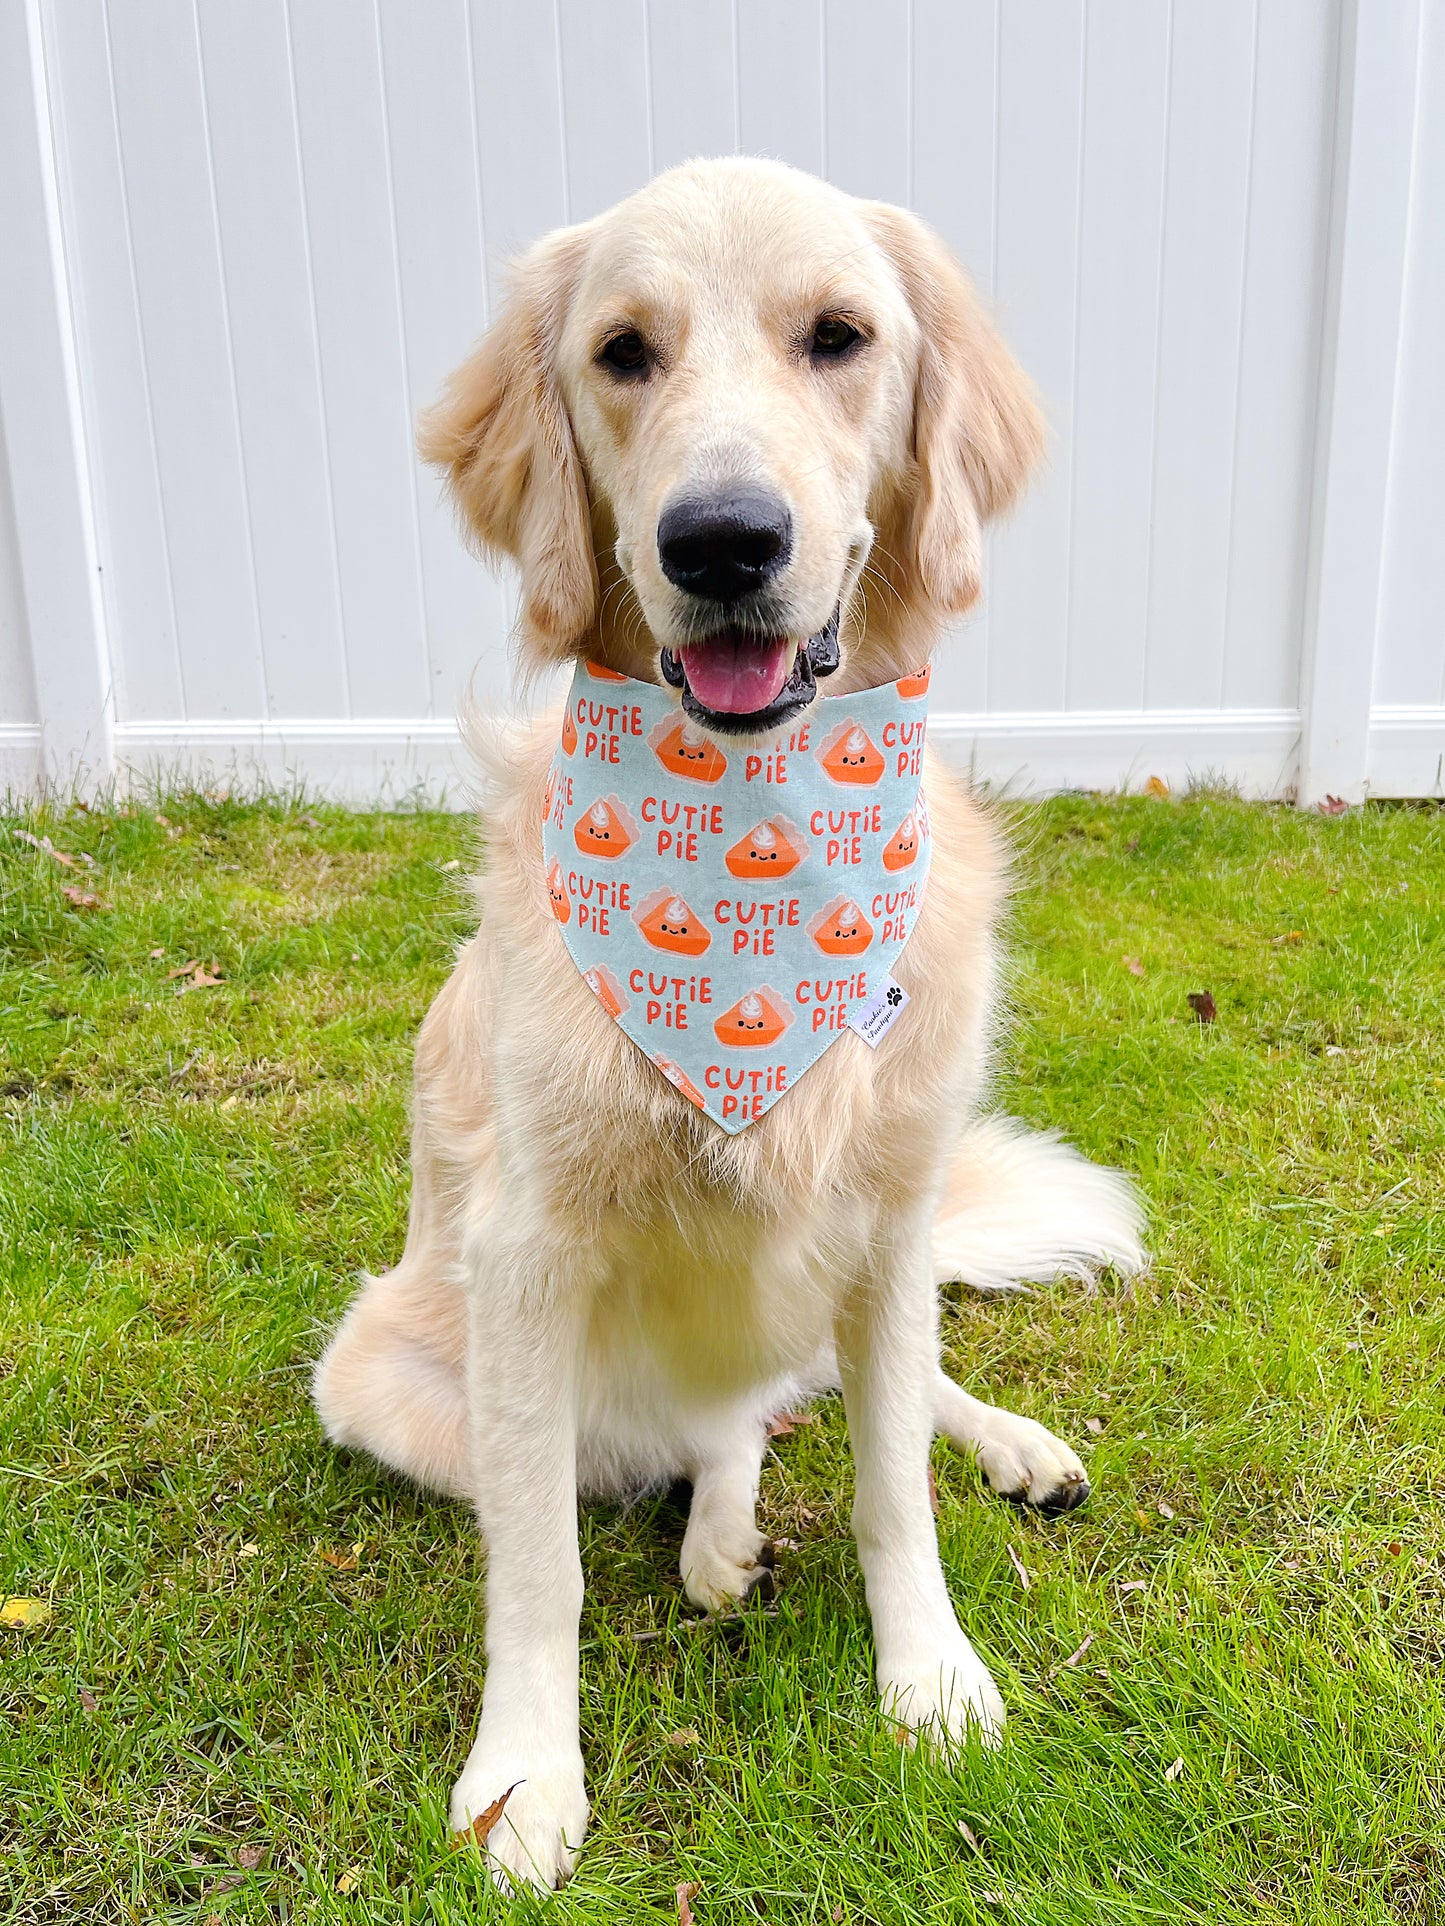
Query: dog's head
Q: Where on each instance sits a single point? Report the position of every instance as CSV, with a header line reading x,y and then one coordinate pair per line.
x,y
738,432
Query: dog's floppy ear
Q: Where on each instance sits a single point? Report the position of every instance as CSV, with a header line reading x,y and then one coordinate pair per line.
x,y
977,430
502,435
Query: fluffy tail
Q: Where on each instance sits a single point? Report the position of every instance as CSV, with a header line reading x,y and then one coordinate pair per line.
x,y
1022,1206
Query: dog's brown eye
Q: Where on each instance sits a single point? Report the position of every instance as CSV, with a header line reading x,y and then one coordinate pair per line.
x,y
833,336
626,352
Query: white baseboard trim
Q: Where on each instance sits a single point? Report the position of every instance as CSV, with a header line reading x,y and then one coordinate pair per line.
x,y
1406,751
354,760
21,760
1040,752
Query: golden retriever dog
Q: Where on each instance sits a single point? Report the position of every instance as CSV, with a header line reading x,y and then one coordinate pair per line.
x,y
738,432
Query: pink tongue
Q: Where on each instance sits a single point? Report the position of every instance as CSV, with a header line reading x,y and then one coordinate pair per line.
x,y
736,675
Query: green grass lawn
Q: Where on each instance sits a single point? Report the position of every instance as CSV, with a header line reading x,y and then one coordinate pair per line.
x,y
262,1662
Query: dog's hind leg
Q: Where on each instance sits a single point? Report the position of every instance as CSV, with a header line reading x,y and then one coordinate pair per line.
x,y
724,1555
392,1379
1020,1459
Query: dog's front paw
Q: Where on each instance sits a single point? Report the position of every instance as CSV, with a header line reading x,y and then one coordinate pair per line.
x,y
1030,1466
720,1566
944,1698
533,1839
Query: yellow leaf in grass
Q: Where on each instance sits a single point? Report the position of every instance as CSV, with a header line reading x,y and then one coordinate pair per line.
x,y
23,1614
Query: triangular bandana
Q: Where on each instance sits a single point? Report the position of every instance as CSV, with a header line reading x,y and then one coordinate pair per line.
x,y
733,907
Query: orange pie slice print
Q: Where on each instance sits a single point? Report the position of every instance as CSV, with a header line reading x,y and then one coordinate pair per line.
x,y
851,757
569,732
903,849
680,1080
557,893
770,848
668,924
605,987
910,687
605,830
755,1020
599,674
841,929
685,750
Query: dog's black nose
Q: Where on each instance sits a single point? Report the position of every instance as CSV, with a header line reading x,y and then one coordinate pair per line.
x,y
724,546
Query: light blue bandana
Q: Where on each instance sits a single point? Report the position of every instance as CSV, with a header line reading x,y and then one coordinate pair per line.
x,y
736,909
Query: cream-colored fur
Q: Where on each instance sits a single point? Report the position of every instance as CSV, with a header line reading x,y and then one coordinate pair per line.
x,y
600,1288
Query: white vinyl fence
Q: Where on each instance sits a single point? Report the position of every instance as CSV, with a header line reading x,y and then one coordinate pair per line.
x,y
241,241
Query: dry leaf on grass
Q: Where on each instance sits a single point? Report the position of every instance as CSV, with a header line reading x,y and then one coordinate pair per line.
x,y
1171,1773
1203,1005
87,1698
250,1857
685,1735
1165,1511
157,953
1132,965
82,899
200,978
1068,1664
340,1560
1290,936
784,1423
47,848
482,1827
1020,1567
349,1880
1094,1425
1333,806
932,1491
1156,786
1135,1585
181,969
969,1836
686,1894
23,1614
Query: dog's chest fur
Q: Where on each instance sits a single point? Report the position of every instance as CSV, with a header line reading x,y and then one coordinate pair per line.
x,y
719,1257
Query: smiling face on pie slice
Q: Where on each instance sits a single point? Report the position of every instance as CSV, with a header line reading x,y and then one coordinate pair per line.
x,y
755,1020
605,987
605,830
668,924
557,893
680,1080
903,849
910,687
770,848
851,756
685,750
841,929
569,732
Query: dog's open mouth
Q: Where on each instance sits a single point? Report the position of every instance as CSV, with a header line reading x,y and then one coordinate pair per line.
x,y
740,684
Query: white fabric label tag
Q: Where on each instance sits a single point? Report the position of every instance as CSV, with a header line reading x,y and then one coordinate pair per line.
x,y
877,1017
